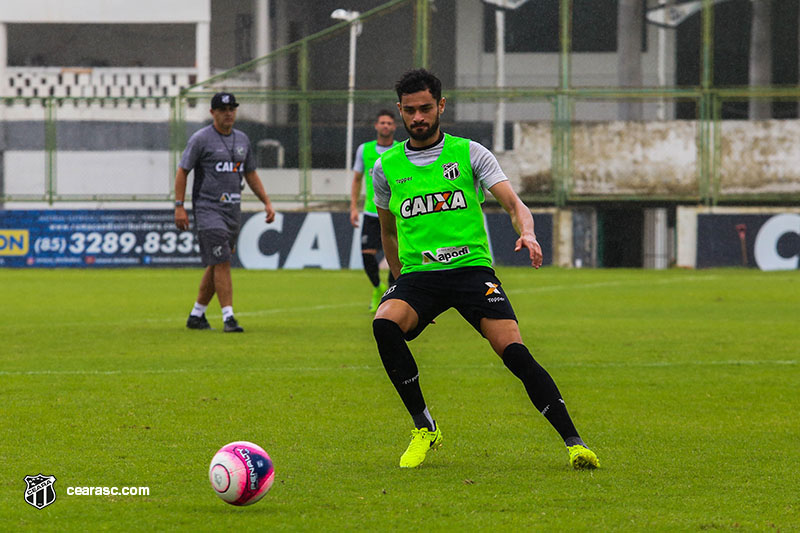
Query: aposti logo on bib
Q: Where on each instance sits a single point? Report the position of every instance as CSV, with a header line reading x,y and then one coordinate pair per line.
x,y
444,255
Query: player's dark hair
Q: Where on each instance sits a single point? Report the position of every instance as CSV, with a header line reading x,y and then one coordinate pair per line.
x,y
384,113
417,80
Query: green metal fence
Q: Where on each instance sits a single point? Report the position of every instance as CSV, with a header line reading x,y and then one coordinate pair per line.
x,y
304,106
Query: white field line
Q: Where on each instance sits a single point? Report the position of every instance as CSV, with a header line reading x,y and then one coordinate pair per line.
x,y
311,308
616,283
322,369
174,319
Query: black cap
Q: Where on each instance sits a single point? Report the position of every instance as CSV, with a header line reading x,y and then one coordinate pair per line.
x,y
223,99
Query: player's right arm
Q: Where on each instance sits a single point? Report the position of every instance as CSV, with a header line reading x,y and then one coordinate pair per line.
x,y
181,218
389,241
355,192
355,189
383,194
189,159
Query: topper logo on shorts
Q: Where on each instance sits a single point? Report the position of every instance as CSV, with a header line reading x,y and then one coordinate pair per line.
x,y
433,203
228,166
493,290
444,255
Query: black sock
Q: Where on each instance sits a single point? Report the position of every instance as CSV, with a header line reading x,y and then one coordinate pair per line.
x,y
371,268
541,388
424,420
399,364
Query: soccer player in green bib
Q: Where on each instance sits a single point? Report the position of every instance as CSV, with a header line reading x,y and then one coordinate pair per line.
x,y
428,193
366,155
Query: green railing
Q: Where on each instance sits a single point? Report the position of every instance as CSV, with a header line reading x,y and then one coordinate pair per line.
x,y
562,100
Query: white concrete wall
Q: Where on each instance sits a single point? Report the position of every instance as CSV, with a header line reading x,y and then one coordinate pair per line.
x,y
107,11
658,158
89,173
131,172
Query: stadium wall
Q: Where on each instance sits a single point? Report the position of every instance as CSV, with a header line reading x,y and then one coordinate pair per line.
x,y
93,238
610,160
659,159
761,237
132,158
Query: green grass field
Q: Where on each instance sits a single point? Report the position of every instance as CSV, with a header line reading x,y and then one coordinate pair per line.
x,y
686,383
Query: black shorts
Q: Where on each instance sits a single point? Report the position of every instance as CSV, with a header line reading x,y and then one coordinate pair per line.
x,y
216,245
475,292
371,233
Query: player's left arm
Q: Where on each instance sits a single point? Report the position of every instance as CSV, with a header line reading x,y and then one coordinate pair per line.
x,y
521,219
254,182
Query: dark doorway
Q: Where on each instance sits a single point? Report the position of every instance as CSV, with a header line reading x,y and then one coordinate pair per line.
x,y
620,233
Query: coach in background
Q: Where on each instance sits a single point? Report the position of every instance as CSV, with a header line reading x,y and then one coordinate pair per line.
x,y
222,159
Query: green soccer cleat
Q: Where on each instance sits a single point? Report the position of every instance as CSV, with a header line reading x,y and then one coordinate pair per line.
x,y
422,440
582,458
377,294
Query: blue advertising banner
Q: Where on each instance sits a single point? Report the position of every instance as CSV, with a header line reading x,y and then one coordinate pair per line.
x,y
132,238
94,238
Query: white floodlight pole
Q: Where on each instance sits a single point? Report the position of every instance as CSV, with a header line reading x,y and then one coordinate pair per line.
x,y
3,58
263,40
500,81
203,50
661,110
500,68
351,86
355,29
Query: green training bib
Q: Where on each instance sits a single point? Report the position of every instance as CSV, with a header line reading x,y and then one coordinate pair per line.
x,y
437,208
370,155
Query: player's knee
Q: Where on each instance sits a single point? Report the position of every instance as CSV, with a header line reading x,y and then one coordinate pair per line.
x,y
386,331
519,360
395,355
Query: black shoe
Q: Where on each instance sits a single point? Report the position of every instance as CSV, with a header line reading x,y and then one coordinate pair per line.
x,y
198,322
232,326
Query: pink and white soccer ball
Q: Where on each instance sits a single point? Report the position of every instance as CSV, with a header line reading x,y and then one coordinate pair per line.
x,y
241,473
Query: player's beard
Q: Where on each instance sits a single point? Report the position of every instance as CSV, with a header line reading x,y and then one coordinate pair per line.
x,y
425,134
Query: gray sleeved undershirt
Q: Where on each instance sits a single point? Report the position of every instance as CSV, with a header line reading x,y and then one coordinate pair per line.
x,y
358,161
486,170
